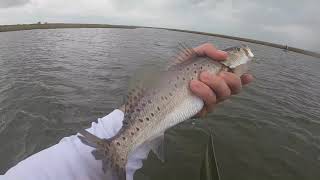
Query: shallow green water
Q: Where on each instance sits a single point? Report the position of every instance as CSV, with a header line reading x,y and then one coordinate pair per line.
x,y
54,82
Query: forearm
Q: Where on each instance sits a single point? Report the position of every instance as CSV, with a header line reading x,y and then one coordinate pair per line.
x,y
69,159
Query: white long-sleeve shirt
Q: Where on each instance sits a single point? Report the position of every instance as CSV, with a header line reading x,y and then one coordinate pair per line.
x,y
70,159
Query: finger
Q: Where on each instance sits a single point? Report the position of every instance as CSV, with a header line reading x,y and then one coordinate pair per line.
x,y
217,84
209,50
246,79
233,81
204,92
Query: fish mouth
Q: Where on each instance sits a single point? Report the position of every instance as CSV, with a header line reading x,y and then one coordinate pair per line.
x,y
250,54
247,50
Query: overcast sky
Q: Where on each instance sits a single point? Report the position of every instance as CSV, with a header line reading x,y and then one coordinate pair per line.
x,y
292,22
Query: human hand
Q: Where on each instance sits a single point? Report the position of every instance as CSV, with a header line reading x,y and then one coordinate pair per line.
x,y
211,88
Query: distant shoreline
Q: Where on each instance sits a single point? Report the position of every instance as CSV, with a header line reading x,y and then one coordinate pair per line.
x,y
21,27
285,47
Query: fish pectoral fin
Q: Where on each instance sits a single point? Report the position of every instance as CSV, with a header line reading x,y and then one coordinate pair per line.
x,y
157,146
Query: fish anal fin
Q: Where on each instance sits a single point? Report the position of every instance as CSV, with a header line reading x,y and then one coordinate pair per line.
x,y
157,146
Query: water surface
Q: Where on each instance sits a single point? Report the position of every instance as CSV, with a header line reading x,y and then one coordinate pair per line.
x,y
55,82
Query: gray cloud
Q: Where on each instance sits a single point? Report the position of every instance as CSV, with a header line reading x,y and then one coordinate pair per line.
x,y
291,22
12,3
288,22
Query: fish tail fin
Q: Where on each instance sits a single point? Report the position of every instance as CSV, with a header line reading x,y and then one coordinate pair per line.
x,y
89,139
112,162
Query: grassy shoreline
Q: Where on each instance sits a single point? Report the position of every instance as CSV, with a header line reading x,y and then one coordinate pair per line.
x,y
21,27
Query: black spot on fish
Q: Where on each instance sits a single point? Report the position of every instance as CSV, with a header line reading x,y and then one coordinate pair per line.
x,y
195,72
201,67
137,129
138,110
123,138
183,78
118,143
166,97
158,108
194,64
140,120
188,69
152,114
132,133
149,101
170,94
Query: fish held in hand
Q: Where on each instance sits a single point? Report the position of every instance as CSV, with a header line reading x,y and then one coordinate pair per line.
x,y
154,107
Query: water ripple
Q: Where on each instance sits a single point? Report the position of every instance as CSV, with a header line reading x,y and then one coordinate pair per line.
x,y
54,82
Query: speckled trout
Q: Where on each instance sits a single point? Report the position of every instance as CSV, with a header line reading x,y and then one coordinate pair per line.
x,y
152,108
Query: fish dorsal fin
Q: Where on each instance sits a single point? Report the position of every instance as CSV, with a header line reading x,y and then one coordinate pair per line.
x,y
183,55
132,101
139,86
133,96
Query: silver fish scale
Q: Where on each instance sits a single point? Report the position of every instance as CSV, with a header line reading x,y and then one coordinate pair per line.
x,y
157,105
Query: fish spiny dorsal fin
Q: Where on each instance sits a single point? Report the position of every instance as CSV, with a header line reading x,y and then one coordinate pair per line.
x,y
184,54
